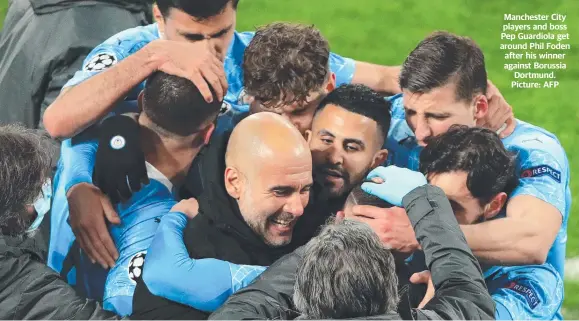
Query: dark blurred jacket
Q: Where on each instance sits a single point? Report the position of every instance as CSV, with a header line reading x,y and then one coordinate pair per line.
x,y
461,292
44,42
31,290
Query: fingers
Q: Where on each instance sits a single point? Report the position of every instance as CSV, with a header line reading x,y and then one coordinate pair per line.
x,y
215,76
420,277
509,129
124,189
90,241
213,80
199,81
134,182
110,212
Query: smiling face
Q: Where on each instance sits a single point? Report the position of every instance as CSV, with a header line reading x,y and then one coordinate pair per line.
x,y
345,147
273,198
218,30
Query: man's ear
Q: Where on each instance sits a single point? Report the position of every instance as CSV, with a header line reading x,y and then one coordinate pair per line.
x,y
208,132
308,135
495,205
160,20
140,99
340,215
379,158
331,85
481,107
232,182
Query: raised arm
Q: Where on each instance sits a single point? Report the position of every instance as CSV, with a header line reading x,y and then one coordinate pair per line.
x,y
535,211
460,290
85,103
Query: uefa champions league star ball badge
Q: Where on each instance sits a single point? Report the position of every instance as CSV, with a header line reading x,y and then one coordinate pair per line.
x,y
100,62
118,142
136,266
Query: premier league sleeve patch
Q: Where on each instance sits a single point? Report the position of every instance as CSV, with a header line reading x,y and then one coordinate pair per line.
x,y
100,62
542,170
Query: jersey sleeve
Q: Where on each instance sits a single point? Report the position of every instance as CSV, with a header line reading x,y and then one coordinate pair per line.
x,y
343,68
543,172
203,284
77,161
532,293
113,50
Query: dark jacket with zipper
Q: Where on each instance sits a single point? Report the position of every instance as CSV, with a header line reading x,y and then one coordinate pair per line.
x,y
218,231
461,293
31,290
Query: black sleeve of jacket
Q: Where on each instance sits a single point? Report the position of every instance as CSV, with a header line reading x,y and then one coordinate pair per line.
x,y
461,293
269,297
46,296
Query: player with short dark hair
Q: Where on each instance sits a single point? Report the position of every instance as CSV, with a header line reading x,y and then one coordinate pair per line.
x,y
175,123
444,83
477,174
205,27
347,138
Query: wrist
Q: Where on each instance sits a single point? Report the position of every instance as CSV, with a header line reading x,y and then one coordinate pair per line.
x,y
74,187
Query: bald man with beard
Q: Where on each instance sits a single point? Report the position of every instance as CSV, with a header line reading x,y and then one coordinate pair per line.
x,y
256,185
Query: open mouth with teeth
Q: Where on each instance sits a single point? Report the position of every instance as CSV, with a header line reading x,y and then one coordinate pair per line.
x,y
283,224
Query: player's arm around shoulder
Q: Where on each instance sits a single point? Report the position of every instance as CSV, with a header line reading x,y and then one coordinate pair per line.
x,y
528,292
89,95
539,200
536,208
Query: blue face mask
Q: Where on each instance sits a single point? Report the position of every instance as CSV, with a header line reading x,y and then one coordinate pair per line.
x,y
42,204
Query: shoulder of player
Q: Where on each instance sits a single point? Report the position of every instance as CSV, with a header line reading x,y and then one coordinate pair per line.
x,y
528,139
128,41
544,276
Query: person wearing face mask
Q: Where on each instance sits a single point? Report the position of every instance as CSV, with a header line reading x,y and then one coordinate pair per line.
x,y
28,288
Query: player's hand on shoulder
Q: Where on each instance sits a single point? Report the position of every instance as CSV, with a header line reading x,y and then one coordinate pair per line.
x,y
189,207
88,208
120,169
499,117
197,61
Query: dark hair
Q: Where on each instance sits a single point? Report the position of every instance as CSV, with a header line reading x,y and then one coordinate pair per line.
x,y
175,105
346,273
358,197
477,151
361,100
441,58
25,161
284,62
199,9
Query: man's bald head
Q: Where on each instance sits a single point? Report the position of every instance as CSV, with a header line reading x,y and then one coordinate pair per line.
x,y
269,173
264,137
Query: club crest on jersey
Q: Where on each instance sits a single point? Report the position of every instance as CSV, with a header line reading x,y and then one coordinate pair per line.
x,y
100,62
542,170
529,294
